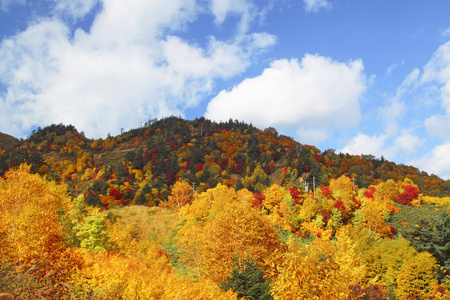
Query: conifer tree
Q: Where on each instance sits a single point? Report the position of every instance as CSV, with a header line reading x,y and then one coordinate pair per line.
x,y
248,281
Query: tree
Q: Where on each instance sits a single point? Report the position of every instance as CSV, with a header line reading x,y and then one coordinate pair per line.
x,y
30,231
182,194
138,160
219,225
309,272
92,231
248,281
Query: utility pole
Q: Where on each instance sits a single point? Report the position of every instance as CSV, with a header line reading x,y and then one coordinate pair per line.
x,y
314,185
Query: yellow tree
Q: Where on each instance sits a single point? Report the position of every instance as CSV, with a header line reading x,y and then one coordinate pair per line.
x,y
342,189
348,257
279,204
416,277
309,272
30,231
28,215
182,194
219,225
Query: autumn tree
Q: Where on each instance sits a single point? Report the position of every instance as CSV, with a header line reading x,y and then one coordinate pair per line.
x,y
182,194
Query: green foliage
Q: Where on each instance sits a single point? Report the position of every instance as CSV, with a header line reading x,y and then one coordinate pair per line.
x,y
92,231
248,281
427,228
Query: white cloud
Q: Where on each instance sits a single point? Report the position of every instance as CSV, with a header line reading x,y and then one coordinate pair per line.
x,y
74,8
317,92
436,162
316,5
5,4
437,73
364,144
395,110
124,71
446,32
438,68
404,145
391,113
313,136
392,67
245,9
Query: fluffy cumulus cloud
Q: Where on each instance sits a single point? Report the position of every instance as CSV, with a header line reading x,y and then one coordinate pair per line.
x,y
433,82
364,144
436,75
316,5
403,144
437,71
436,162
129,66
313,95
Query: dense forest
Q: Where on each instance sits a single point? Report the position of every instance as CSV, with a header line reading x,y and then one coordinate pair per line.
x,y
183,209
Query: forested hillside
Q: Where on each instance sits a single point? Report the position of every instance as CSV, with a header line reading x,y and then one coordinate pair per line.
x,y
201,210
201,152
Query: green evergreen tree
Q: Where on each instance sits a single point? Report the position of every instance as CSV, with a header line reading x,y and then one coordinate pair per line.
x,y
426,230
93,199
248,281
138,160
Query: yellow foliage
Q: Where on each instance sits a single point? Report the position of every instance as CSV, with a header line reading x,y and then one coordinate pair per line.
x,y
342,189
373,216
220,225
348,257
441,201
28,219
182,194
273,197
30,232
309,208
309,272
111,276
416,277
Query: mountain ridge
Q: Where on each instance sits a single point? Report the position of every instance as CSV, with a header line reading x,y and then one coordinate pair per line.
x,y
201,152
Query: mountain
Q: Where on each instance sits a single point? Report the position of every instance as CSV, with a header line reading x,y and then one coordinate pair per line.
x,y
7,141
141,165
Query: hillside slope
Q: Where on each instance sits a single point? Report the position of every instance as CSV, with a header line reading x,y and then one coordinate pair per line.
x,y
7,141
142,165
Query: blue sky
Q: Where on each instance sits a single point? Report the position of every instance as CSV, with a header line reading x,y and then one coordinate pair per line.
x,y
361,77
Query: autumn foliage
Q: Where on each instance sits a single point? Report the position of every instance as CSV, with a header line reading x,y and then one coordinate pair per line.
x,y
185,209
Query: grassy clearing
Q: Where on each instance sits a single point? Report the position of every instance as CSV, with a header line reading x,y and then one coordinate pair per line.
x,y
149,223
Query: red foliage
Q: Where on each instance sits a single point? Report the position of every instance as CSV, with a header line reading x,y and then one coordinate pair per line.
x,y
326,192
374,291
115,193
199,166
369,192
326,216
295,194
339,205
258,200
224,164
393,230
411,193
171,177
318,234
